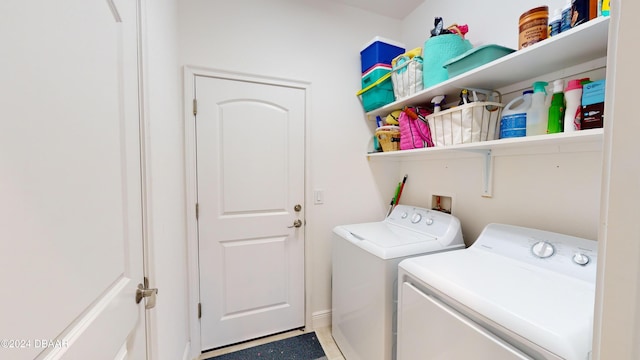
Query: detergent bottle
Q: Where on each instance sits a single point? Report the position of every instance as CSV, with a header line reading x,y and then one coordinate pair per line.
x,y
513,122
565,17
556,110
538,112
573,111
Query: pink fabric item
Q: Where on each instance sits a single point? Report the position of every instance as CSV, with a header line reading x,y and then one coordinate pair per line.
x,y
414,132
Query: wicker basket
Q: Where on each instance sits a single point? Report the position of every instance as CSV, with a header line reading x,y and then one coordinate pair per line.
x,y
388,137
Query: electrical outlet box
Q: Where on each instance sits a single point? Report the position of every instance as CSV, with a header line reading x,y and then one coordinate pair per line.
x,y
441,203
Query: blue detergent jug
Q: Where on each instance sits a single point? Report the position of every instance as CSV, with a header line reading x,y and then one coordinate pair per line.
x,y
513,122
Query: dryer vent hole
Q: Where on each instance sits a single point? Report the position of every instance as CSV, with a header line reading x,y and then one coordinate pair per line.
x,y
441,203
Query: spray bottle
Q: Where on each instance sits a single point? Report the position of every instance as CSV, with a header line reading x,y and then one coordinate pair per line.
x,y
556,110
437,103
538,113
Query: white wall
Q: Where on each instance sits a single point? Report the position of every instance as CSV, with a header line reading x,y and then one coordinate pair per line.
x,y
165,181
537,191
312,41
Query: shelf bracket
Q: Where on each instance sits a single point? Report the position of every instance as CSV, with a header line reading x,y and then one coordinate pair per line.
x,y
487,171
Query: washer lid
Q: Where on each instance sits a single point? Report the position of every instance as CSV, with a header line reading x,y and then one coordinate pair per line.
x,y
388,241
549,309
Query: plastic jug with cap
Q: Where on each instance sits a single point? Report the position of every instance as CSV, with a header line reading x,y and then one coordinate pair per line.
x,y
513,122
538,112
573,111
556,110
565,17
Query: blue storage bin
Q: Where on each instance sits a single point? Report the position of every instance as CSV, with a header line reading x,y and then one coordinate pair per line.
x,y
379,51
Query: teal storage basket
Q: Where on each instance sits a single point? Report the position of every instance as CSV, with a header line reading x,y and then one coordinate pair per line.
x,y
474,58
377,90
437,51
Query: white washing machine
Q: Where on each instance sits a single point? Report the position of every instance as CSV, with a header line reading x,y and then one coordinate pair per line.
x,y
516,293
365,274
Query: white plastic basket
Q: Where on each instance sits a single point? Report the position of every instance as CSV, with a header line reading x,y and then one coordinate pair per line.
x,y
473,122
406,76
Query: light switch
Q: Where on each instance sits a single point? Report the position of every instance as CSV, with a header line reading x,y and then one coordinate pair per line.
x,y
318,196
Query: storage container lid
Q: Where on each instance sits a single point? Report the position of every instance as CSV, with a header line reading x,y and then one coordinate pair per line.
x,y
490,51
377,67
384,40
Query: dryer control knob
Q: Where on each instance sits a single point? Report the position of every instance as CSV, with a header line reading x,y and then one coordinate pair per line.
x,y
580,259
429,221
404,215
415,218
542,249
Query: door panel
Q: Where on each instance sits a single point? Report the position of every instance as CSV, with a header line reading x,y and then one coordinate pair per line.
x,y
250,172
429,329
243,187
70,209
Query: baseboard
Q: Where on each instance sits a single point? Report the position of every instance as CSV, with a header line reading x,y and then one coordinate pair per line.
x,y
321,319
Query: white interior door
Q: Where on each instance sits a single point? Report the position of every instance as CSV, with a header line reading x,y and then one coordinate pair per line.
x,y
70,207
250,173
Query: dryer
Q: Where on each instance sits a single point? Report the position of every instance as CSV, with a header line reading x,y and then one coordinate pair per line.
x,y
365,273
516,293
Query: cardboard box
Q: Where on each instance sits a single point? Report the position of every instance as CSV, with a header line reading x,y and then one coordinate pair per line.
x,y
592,116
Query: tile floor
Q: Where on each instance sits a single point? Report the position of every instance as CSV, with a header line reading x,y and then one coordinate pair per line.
x,y
324,336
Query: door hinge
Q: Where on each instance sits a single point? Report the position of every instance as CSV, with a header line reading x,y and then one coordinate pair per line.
x,y
199,310
197,211
195,107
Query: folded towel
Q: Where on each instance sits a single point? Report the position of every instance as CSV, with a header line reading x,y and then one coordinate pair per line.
x,y
437,51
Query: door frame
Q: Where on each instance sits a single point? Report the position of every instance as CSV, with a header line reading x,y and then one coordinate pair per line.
x,y
189,74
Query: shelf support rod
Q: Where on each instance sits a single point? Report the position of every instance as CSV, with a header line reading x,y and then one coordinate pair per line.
x,y
487,171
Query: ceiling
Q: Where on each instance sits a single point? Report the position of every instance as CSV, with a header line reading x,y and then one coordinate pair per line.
x,y
397,9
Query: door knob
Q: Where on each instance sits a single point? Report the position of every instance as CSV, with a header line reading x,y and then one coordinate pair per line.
x,y
297,223
144,292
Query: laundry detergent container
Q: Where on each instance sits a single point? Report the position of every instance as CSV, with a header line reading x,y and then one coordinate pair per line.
x,y
437,51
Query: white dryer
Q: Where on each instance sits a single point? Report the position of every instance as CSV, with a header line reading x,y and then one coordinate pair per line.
x,y
365,274
516,293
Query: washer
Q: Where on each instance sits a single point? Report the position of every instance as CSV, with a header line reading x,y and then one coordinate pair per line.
x,y
365,274
516,293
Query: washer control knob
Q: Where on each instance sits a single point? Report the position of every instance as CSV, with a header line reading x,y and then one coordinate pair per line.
x,y
429,221
415,218
404,215
542,249
580,259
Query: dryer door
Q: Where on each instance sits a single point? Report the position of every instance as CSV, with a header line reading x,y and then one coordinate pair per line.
x,y
428,329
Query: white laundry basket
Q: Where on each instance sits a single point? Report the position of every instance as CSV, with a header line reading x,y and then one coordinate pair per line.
x,y
473,122
407,73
